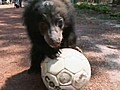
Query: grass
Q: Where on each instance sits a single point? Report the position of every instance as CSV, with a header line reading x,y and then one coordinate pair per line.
x,y
100,8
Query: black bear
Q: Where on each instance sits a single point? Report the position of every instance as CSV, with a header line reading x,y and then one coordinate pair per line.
x,y
50,26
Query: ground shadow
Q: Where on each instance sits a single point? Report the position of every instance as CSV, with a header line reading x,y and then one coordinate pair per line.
x,y
93,31
12,31
23,81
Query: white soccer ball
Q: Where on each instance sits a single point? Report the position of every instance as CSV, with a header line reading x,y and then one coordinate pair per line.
x,y
70,71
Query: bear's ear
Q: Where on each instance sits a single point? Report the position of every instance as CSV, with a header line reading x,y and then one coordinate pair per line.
x,y
48,6
47,3
44,7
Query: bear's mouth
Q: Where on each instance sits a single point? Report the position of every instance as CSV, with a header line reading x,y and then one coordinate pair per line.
x,y
52,43
55,45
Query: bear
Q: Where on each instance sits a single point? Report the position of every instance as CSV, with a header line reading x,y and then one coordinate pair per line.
x,y
50,25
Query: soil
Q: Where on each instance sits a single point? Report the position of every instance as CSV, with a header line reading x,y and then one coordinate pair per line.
x,y
98,37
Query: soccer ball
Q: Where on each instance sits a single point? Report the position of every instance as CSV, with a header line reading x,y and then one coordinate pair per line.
x,y
70,71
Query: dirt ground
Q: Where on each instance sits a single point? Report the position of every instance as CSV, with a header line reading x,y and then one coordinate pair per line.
x,y
98,38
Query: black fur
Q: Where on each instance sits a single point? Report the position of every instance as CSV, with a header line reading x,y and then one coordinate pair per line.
x,y
33,16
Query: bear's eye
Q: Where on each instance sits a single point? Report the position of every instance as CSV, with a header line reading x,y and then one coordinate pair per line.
x,y
43,26
44,17
60,23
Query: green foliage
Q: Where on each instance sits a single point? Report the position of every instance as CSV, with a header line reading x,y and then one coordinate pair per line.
x,y
104,9
84,5
97,7
116,14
